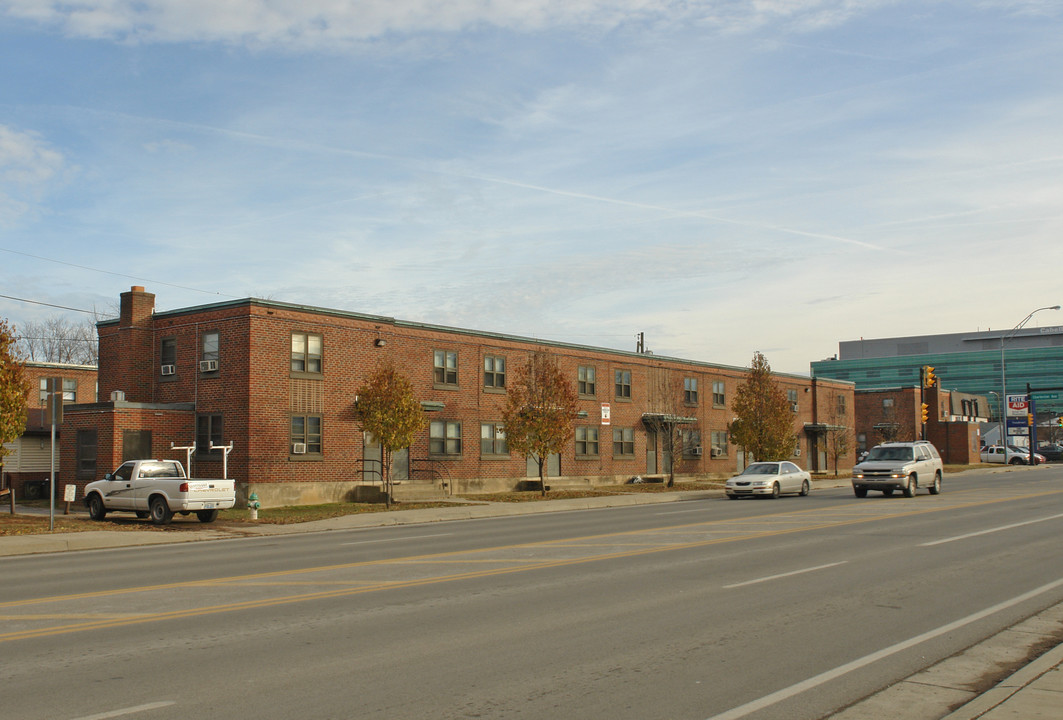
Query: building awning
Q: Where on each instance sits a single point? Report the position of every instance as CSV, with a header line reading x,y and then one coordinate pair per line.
x,y
666,420
823,427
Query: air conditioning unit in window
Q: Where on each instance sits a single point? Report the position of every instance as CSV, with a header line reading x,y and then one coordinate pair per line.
x,y
797,452
298,448
208,365
696,452
167,369
717,452
793,406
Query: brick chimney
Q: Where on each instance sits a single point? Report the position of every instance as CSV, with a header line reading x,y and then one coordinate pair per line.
x,y
130,351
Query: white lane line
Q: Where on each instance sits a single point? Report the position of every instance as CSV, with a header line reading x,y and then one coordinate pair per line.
x,y
783,575
680,512
408,537
990,530
825,677
128,710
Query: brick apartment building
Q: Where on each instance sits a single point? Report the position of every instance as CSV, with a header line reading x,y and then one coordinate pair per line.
x,y
278,381
28,467
953,420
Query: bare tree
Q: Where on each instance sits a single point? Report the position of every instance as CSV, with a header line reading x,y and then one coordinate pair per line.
x,y
839,432
667,404
58,340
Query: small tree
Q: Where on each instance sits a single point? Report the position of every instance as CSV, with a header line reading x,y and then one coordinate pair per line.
x,y
386,409
839,434
764,422
540,411
14,392
676,434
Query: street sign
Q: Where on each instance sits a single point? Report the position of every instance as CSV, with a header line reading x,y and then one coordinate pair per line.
x,y
1018,405
1045,395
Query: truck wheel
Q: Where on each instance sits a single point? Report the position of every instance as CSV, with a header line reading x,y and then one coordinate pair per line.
x,y
909,489
1016,461
206,516
936,487
160,511
860,492
96,509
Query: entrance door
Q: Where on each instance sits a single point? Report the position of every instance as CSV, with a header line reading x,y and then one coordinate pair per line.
x,y
651,452
372,464
553,466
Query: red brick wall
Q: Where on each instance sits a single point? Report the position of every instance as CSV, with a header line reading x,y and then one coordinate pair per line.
x,y
256,392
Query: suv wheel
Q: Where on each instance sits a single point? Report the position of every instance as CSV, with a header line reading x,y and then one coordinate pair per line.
x,y
936,487
909,489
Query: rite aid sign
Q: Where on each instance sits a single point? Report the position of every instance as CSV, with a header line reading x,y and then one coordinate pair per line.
x,y
1018,405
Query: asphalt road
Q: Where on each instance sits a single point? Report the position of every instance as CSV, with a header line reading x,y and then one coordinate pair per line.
x,y
719,609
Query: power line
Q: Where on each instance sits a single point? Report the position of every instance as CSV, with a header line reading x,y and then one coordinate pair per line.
x,y
109,272
38,302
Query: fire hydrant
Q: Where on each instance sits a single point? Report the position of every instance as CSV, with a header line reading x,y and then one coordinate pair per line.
x,y
253,505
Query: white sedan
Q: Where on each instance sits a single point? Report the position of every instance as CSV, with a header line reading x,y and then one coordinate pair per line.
x,y
769,479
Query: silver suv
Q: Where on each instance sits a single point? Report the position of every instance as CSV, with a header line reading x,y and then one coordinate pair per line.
x,y
905,466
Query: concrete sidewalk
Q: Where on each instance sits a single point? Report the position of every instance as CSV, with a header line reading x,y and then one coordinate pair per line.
x,y
1033,692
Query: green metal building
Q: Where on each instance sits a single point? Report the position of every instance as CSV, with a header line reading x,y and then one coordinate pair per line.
x,y
967,362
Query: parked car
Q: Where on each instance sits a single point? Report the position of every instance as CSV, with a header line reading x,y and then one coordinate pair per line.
x,y
905,466
157,489
1038,458
1051,453
769,479
1012,455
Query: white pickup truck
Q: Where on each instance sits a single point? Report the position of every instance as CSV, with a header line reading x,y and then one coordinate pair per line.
x,y
158,489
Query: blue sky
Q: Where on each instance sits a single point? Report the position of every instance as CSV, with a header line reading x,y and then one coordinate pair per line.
x,y
725,176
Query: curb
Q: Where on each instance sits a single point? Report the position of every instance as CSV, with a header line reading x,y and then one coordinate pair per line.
x,y
1007,689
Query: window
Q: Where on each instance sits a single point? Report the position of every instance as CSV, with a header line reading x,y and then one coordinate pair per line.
x,y
168,355
70,390
623,442
690,391
208,430
841,404
719,443
86,455
718,396
494,371
691,440
492,439
444,437
306,352
586,440
446,368
306,434
791,395
208,359
887,402
585,380
623,384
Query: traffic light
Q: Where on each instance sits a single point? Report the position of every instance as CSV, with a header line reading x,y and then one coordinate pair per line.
x,y
926,412
929,378
1029,419
1059,421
